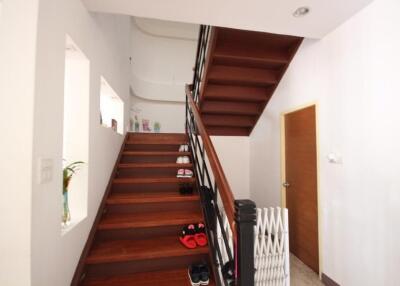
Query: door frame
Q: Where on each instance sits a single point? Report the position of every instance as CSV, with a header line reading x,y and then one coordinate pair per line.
x,y
283,171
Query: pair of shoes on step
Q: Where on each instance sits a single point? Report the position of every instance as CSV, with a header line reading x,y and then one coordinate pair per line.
x,y
193,235
186,189
184,148
199,274
183,160
184,173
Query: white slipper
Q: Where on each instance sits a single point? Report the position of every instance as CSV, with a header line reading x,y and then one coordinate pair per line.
x,y
179,160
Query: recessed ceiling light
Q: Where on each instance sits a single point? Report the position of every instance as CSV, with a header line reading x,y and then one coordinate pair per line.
x,y
301,12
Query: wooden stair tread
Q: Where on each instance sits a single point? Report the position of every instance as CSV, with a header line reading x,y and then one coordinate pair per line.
x,y
228,131
246,39
157,142
133,250
155,153
156,136
154,165
149,219
232,108
153,180
252,56
174,277
228,120
236,93
242,76
142,198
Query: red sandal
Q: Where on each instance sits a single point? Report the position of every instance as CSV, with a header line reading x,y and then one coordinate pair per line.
x,y
187,236
200,234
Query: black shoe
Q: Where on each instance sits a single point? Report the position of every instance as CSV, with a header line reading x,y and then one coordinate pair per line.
x,y
186,189
204,274
194,275
228,272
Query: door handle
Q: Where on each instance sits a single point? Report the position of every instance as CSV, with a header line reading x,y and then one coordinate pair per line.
x,y
286,185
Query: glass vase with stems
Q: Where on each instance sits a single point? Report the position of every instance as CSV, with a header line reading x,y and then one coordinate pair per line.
x,y
68,172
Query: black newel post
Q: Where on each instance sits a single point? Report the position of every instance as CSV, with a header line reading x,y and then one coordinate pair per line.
x,y
245,218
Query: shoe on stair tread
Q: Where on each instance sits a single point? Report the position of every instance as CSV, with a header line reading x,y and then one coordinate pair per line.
x,y
186,189
184,148
184,173
199,274
183,160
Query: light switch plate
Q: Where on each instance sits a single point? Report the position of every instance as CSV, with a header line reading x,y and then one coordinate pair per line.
x,y
334,158
46,169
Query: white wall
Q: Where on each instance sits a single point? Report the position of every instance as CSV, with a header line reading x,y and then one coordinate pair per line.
x,y
353,76
163,55
162,61
171,115
105,40
233,153
18,24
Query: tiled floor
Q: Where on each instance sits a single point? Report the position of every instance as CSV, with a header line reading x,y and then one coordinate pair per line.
x,y
301,274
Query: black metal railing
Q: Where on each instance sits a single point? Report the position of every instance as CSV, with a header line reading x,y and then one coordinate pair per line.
x,y
201,57
230,223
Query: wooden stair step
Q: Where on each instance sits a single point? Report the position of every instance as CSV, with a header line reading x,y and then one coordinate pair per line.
x,y
174,277
157,142
244,39
152,156
125,198
149,219
237,93
230,107
156,138
220,74
228,120
228,131
155,153
154,165
172,180
136,250
150,170
253,56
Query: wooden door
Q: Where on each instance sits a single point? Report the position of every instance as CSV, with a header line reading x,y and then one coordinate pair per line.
x,y
301,193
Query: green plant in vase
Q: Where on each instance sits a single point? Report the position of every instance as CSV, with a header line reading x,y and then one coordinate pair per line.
x,y
68,172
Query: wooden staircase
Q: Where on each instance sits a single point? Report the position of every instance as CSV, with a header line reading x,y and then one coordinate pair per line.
x,y
136,238
242,71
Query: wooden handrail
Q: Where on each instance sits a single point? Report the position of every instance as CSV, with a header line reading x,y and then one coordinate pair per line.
x,y
224,189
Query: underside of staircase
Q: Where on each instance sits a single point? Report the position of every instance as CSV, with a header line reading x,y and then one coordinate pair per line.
x,y
136,240
243,69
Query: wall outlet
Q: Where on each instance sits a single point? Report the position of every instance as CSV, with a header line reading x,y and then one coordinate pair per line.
x,y
46,169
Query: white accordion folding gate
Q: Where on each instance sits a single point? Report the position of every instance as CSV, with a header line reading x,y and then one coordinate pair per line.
x,y
272,247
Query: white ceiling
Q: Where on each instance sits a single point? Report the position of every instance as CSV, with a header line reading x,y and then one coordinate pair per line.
x,y
160,28
273,16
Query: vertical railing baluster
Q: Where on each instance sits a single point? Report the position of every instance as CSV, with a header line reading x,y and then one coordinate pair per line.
x,y
204,164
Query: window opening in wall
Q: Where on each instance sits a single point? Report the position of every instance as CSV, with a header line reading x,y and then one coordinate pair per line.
x,y
75,136
111,108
